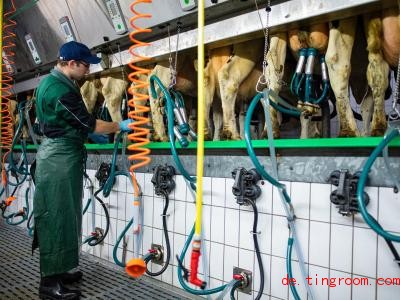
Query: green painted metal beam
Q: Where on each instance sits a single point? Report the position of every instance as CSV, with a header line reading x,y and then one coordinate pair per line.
x,y
359,142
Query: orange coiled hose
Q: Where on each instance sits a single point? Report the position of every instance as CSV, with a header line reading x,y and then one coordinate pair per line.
x,y
6,122
137,103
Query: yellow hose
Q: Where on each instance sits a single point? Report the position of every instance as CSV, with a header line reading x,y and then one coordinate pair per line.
x,y
200,118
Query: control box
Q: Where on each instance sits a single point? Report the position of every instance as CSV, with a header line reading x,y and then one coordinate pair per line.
x,y
32,49
66,29
116,15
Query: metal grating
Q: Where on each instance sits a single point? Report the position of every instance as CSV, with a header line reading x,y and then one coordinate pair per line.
x,y
19,274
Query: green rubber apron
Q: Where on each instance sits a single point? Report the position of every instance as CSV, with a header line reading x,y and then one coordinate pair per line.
x,y
58,203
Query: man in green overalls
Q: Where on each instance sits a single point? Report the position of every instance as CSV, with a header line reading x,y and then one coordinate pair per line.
x,y
65,123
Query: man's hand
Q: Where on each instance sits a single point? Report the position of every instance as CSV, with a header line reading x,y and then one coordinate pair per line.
x,y
123,125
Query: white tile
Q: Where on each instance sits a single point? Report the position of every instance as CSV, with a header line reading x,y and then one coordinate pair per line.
x,y
372,207
148,209
320,208
319,243
179,217
113,204
190,195
389,207
264,238
121,205
148,189
190,216
264,202
387,267
277,206
129,206
246,228
167,275
147,238
207,190
179,242
387,291
280,235
300,195
364,262
113,231
341,247
246,259
216,259
218,191
232,227
336,290
231,255
278,272
230,199
180,188
121,183
206,228
157,237
364,292
338,218
217,224
157,212
319,289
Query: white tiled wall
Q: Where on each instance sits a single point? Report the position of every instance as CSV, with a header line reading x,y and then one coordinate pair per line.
x,y
333,246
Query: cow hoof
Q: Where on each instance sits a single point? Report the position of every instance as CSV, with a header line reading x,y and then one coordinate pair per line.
x,y
347,133
226,134
378,131
207,136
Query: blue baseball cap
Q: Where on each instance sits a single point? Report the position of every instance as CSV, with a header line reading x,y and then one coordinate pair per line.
x,y
77,51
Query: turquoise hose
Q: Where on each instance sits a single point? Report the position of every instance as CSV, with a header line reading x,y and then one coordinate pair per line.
x,y
289,268
115,249
370,220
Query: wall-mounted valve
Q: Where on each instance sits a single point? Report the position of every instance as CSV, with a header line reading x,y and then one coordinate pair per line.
x,y
245,187
103,173
163,180
345,196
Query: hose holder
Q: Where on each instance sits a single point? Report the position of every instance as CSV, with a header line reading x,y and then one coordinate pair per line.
x,y
163,180
103,173
345,196
245,187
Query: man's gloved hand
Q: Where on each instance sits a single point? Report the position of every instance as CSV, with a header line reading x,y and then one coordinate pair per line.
x,y
123,125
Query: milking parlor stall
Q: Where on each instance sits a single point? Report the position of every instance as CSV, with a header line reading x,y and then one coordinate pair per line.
x,y
259,157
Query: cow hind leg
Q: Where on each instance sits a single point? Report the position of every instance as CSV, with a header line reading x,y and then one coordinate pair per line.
x,y
377,74
230,77
338,54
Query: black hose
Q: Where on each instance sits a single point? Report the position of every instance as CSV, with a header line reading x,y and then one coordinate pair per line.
x,y
93,241
257,248
168,246
235,286
393,250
